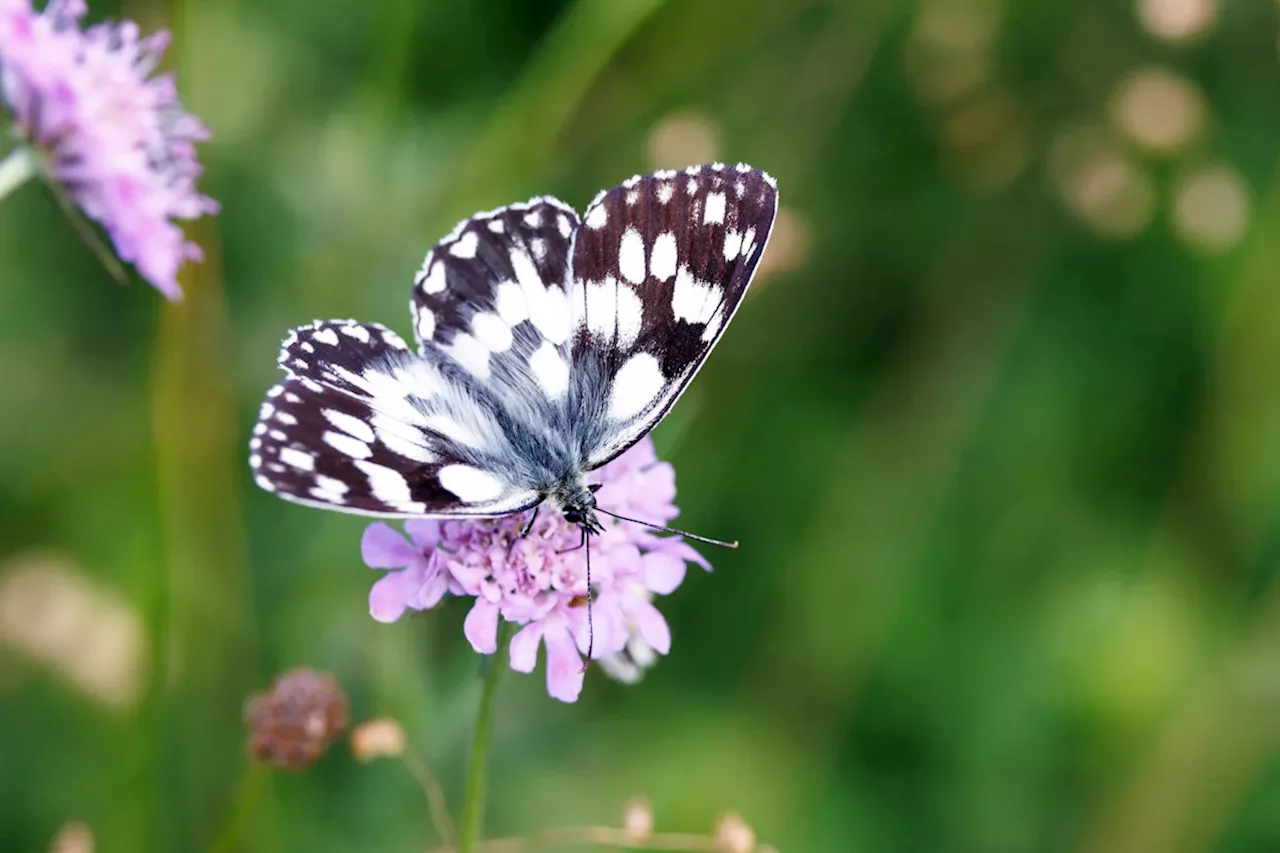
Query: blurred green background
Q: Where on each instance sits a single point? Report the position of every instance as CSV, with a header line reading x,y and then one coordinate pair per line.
x,y
998,427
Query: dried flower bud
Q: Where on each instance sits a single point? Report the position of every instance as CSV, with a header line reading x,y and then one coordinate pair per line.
x,y
637,819
73,837
734,835
293,723
378,738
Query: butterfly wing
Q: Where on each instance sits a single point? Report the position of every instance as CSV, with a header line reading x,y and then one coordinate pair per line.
x,y
364,425
660,265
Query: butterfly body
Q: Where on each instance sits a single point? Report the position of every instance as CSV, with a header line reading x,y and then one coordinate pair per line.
x,y
547,345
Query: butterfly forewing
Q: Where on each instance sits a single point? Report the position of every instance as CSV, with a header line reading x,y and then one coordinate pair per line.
x,y
660,265
364,425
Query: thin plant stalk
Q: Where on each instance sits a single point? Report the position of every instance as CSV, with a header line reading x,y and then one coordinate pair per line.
x,y
472,820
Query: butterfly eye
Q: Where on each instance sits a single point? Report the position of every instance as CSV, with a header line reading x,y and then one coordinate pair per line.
x,y
572,516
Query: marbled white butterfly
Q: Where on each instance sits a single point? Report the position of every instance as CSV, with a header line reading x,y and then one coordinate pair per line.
x,y
546,347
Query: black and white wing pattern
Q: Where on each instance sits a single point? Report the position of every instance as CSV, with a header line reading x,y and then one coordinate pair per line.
x,y
364,425
659,268
492,297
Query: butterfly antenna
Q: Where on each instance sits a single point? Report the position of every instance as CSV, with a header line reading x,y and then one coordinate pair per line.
x,y
591,628
653,526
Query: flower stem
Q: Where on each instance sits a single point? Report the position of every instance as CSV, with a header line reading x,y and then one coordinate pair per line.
x,y
18,167
473,802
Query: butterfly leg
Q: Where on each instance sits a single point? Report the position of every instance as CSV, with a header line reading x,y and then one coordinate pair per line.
x,y
529,524
581,542
591,628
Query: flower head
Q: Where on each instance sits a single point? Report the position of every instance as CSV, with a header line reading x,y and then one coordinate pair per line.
x,y
115,138
540,581
293,724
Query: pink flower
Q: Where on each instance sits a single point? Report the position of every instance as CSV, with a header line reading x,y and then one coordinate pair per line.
x,y
116,139
540,582
417,582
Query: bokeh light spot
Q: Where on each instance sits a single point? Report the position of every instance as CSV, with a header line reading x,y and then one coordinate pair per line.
x,y
1158,109
1211,208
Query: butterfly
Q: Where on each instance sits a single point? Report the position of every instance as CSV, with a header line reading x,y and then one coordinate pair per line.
x,y
546,346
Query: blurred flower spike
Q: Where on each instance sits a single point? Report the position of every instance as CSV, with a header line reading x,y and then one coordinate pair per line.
x,y
89,118
297,720
540,582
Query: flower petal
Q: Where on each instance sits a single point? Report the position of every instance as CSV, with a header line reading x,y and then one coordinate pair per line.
x,y
425,532
564,667
663,571
391,595
524,647
481,627
653,627
432,591
385,548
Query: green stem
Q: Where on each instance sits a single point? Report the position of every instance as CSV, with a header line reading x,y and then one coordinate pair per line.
x,y
473,802
246,798
20,166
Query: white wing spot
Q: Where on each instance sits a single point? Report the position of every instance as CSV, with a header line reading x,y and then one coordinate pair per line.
x,y
562,222
633,197
740,189
511,304
254,444
300,364
471,354
259,429
307,347
548,307
471,485
693,170
714,212
292,398
346,445
276,391
426,323
349,424
393,340
691,187
665,191
465,247
662,261
631,256
533,219
434,280
691,299
732,244
635,387
264,483
550,371
497,226
255,461
286,418
409,448
539,248
387,484
266,411
329,484
299,459
278,435
360,333
491,331
597,217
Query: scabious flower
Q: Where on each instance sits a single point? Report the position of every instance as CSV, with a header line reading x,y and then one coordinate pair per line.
x,y
540,582
88,113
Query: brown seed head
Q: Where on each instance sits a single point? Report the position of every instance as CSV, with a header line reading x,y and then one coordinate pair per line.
x,y
292,724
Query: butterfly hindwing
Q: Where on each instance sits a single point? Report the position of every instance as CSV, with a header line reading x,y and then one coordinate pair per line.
x,y
660,265
364,425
